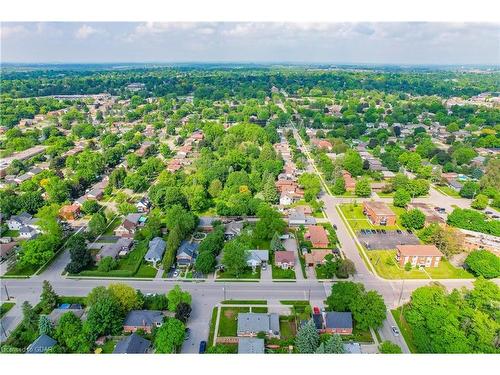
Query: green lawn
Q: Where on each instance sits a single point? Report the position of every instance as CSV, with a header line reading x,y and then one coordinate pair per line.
x,y
112,226
108,346
261,244
358,335
5,307
229,320
387,267
247,274
446,190
10,233
279,273
244,302
405,329
320,273
287,327
212,327
131,265
21,271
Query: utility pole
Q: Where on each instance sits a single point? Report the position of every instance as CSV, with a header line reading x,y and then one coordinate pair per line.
x,y
6,292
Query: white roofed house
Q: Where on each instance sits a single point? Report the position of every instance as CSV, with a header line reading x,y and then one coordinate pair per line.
x,y
257,258
156,250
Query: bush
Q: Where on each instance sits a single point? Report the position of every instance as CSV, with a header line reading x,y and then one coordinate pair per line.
x,y
413,219
480,202
408,266
483,263
107,264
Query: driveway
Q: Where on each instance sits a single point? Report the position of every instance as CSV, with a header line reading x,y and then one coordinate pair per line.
x,y
266,274
290,244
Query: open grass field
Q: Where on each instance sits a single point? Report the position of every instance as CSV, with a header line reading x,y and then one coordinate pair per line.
x,y
228,322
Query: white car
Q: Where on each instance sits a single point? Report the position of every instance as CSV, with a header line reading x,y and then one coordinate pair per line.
x,y
395,331
176,273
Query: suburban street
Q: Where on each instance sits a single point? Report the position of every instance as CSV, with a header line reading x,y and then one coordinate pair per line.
x,y
207,293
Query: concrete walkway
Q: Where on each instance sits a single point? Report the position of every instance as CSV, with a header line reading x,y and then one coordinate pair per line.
x,y
290,244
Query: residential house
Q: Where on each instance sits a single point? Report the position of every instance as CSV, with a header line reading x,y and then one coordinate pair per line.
x,y
156,250
418,255
114,250
205,223
430,215
143,205
41,345
56,314
322,144
143,320
298,217
476,240
257,258
251,324
317,235
250,345
6,249
28,232
70,212
233,229
350,183
284,259
333,322
379,213
16,222
455,185
316,257
186,253
130,225
132,344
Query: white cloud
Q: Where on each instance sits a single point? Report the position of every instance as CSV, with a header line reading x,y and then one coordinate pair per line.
x,y
9,31
85,31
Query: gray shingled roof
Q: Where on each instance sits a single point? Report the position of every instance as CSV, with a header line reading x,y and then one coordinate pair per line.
x,y
335,319
156,249
137,318
41,345
258,322
133,344
250,345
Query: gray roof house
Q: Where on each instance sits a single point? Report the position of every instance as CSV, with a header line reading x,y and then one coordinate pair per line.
x,y
250,324
334,319
41,345
250,345
28,232
113,250
133,344
299,218
233,229
56,314
24,219
255,258
186,253
156,249
454,184
142,319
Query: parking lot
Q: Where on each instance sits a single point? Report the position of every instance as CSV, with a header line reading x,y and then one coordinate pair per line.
x,y
385,239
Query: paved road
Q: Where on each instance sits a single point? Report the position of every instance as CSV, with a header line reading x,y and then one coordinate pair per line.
x,y
207,294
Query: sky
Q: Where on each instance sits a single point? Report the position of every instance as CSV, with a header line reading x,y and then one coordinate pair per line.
x,y
404,43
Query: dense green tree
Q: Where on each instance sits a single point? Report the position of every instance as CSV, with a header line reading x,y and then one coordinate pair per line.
x,y
353,163
234,257
48,298
483,263
388,347
307,339
343,295
413,219
363,188
169,337
401,198
126,296
175,296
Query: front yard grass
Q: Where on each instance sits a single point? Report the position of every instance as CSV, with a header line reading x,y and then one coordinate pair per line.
x,y
244,302
5,308
108,346
288,328
388,268
279,273
446,190
247,274
228,322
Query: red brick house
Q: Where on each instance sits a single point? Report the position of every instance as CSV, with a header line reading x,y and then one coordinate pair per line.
x,y
332,322
70,212
379,213
418,255
284,259
350,183
317,235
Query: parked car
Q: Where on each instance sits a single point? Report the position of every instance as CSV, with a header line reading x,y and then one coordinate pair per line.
x,y
334,226
488,212
203,347
176,273
316,310
187,334
399,231
395,331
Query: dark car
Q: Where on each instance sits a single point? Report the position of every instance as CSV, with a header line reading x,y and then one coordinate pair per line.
x,y
203,347
399,231
334,226
187,334
488,212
